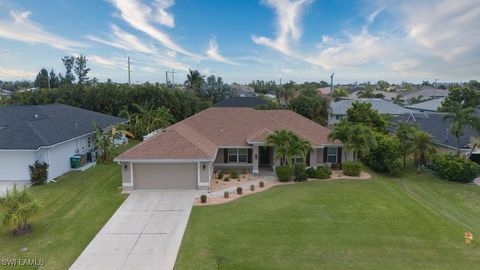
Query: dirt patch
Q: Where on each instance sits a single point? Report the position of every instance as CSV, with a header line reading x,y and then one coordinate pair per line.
x,y
221,184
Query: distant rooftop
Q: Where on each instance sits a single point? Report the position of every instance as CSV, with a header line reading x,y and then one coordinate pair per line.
x,y
382,106
241,102
426,93
427,106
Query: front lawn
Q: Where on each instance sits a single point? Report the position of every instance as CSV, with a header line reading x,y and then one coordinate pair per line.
x,y
73,210
416,222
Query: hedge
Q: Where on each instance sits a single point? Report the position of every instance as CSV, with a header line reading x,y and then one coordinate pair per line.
x,y
284,173
455,169
323,172
352,168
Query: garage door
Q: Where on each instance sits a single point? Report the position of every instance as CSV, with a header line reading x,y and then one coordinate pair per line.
x,y
164,175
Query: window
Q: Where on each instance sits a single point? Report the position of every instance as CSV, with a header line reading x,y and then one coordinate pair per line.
x,y
331,155
297,160
238,155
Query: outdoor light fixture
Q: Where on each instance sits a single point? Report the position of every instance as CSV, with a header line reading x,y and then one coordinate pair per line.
x,y
203,166
125,167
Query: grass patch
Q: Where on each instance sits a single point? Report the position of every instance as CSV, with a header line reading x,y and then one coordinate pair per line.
x,y
73,210
412,222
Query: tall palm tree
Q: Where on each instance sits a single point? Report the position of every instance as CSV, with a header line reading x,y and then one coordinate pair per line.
x,y
405,134
423,148
19,207
361,140
342,132
461,118
280,139
194,80
297,147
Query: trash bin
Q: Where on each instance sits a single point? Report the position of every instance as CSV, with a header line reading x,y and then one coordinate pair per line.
x,y
75,162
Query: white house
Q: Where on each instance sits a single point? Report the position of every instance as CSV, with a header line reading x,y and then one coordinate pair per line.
x,y
50,133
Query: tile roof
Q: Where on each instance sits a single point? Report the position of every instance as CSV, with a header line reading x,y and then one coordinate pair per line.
x,y
29,127
199,136
382,106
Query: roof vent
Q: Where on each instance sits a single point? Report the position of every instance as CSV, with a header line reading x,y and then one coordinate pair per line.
x,y
36,116
76,125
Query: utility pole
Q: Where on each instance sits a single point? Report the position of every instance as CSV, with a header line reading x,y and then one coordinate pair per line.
x,y
128,70
173,76
280,81
48,77
331,83
166,77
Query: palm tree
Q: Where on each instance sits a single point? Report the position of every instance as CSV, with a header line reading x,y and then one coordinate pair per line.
x,y
280,139
194,80
147,119
19,206
341,132
297,147
461,118
423,148
361,140
405,134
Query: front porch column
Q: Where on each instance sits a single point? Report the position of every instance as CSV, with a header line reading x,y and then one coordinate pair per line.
x,y
255,159
313,157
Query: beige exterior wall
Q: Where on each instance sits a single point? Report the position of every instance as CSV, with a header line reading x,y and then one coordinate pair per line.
x,y
319,156
165,175
204,172
219,158
255,160
126,174
313,157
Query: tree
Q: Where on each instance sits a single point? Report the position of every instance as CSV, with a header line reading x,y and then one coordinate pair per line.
x,y
54,80
464,96
42,79
340,91
342,131
69,63
81,69
146,120
194,80
368,92
19,207
405,134
361,140
461,118
398,100
385,155
383,85
313,107
423,147
216,90
287,145
363,113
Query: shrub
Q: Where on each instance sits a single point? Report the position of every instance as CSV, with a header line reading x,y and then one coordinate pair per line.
x,y
323,172
395,167
38,172
352,168
284,173
300,172
226,179
226,194
220,175
261,184
203,198
455,169
382,156
239,191
311,172
18,207
252,187
234,174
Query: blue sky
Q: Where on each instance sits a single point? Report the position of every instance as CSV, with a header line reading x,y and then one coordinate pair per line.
x,y
301,40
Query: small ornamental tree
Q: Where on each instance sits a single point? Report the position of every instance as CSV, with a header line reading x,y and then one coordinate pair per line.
x,y
38,172
18,207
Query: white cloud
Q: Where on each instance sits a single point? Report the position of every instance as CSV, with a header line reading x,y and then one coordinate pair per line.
x,y
21,28
102,61
15,74
141,16
288,14
214,54
162,16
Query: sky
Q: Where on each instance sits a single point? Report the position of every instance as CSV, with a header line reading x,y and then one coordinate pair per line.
x,y
241,41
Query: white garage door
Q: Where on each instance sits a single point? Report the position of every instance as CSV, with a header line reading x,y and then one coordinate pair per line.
x,y
164,175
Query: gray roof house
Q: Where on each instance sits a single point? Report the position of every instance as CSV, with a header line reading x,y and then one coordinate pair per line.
x,y
51,133
427,106
241,102
338,109
424,93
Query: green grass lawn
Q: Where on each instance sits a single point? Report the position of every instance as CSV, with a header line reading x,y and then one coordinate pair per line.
x,y
73,211
415,222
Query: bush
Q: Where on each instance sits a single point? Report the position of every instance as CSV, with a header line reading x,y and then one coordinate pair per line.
x,y
352,168
284,173
395,167
252,187
261,184
323,172
226,194
455,169
38,172
203,198
239,191
226,179
382,157
300,173
311,173
220,175
18,207
234,174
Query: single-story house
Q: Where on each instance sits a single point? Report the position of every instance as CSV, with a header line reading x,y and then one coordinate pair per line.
x,y
427,106
186,154
244,102
424,93
50,133
338,109
435,124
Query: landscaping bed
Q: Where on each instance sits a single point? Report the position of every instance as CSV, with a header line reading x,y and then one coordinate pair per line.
x,y
220,184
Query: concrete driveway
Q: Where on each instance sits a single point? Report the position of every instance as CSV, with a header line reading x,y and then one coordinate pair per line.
x,y
4,185
144,233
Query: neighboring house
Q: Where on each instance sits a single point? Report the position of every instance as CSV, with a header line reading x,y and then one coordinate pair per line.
x,y
338,109
435,124
325,91
243,102
186,154
243,90
427,106
50,133
386,95
424,94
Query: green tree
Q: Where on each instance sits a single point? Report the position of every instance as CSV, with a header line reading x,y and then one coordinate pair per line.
x,y
383,156
464,96
146,120
313,107
340,91
194,80
405,133
383,85
423,148
287,145
54,80
215,90
461,118
42,79
361,140
342,131
103,141
69,63
398,100
81,69
368,92
19,207
363,113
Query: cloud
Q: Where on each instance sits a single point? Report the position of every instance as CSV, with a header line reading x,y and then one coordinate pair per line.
x,y
288,14
102,61
21,28
15,74
125,41
142,17
214,54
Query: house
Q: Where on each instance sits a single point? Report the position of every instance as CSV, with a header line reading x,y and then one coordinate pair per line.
x,y
338,109
50,133
435,124
427,106
245,102
424,94
243,90
186,154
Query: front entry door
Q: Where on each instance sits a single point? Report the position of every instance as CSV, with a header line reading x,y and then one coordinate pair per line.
x,y
264,156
